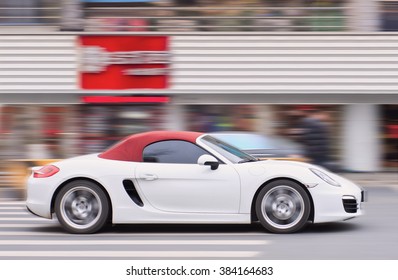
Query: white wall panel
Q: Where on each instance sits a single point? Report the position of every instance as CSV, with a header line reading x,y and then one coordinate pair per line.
x,y
37,63
213,64
313,63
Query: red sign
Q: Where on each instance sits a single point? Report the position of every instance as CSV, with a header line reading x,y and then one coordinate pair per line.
x,y
125,99
124,62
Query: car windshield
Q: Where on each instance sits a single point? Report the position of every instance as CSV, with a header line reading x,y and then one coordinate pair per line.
x,y
246,141
230,152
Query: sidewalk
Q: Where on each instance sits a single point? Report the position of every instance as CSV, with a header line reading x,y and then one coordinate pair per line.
x,y
373,179
377,179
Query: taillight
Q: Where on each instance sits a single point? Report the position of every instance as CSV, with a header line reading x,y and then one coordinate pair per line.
x,y
45,171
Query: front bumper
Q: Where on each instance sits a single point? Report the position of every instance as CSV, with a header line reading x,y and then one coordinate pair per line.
x,y
333,204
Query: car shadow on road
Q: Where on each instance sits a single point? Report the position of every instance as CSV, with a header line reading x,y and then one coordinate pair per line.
x,y
254,228
163,228
331,227
187,228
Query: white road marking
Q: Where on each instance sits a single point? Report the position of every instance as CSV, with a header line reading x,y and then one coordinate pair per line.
x,y
26,225
28,233
55,224
12,203
26,221
115,234
133,242
131,254
19,213
21,219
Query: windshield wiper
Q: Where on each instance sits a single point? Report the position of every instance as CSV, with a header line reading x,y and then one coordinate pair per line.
x,y
248,160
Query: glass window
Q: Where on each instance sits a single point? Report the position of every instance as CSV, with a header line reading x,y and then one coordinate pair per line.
x,y
173,151
29,12
230,152
389,16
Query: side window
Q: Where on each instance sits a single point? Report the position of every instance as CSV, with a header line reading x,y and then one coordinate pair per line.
x,y
173,151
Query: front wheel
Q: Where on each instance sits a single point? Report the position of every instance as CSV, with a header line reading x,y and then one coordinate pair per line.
x,y
82,207
283,206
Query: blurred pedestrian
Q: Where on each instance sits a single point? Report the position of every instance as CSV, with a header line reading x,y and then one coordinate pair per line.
x,y
314,135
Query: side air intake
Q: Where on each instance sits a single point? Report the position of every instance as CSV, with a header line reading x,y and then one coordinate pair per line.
x,y
350,204
132,192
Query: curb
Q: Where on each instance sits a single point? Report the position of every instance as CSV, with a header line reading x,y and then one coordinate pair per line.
x,y
373,179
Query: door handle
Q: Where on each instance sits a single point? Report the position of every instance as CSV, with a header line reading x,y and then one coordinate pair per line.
x,y
148,177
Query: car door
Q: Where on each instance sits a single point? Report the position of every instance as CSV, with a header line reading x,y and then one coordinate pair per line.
x,y
171,180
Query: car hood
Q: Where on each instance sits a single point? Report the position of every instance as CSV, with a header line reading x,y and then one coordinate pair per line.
x,y
288,163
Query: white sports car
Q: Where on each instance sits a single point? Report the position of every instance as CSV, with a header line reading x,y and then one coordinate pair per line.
x,y
187,177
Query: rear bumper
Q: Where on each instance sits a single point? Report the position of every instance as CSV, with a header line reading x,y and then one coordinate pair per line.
x,y
39,196
39,210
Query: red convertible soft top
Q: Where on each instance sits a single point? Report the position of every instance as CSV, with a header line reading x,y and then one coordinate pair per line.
x,y
131,147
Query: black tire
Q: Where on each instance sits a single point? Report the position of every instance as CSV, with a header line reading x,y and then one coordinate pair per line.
x,y
283,206
82,207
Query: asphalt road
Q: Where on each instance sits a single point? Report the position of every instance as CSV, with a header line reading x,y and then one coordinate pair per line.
x,y
373,236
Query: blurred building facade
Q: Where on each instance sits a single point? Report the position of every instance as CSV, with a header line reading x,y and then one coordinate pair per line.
x,y
76,76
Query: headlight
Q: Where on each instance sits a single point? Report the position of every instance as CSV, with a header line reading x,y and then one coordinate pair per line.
x,y
325,177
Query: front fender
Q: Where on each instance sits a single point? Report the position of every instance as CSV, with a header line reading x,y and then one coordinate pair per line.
x,y
256,175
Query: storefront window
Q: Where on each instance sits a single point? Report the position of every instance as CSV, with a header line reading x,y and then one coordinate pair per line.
x,y
55,132
118,15
104,125
390,135
32,12
35,132
210,15
389,15
214,118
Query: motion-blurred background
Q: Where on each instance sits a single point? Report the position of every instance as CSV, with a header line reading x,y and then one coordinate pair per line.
x,y
78,75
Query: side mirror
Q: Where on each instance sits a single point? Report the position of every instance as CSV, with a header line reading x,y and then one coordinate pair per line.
x,y
208,160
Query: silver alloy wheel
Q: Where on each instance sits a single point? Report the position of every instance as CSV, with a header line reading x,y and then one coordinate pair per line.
x,y
282,207
81,207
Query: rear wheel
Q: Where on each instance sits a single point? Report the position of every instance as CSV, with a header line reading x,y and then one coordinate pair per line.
x,y
82,207
283,206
